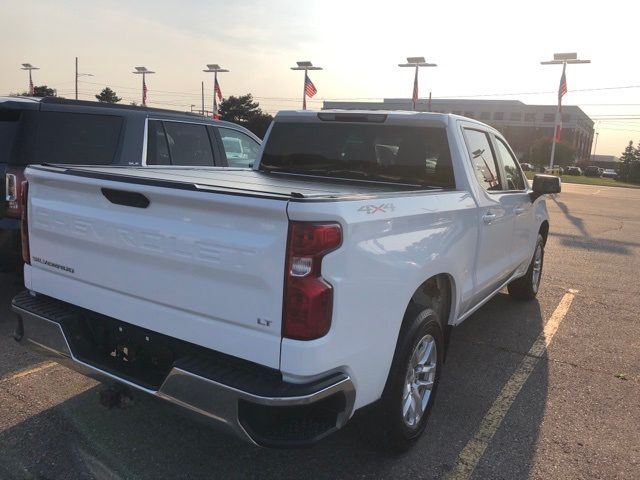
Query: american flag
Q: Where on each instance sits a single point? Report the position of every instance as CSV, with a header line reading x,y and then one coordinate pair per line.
x,y
144,92
415,90
216,90
562,90
309,88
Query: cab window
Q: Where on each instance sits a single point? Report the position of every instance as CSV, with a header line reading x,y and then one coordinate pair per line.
x,y
483,159
241,150
514,179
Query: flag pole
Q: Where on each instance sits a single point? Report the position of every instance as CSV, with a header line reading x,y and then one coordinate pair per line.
x,y
304,91
215,100
558,121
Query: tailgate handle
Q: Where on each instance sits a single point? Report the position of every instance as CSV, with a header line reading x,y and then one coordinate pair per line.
x,y
128,199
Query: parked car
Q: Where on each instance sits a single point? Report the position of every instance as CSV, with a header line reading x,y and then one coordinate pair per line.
x,y
609,173
574,171
593,171
59,131
527,167
279,300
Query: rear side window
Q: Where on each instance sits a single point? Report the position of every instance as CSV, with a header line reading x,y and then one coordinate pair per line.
x,y
157,147
482,159
9,120
514,179
76,138
189,144
397,154
241,150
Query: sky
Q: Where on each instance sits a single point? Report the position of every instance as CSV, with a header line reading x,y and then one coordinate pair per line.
x,y
488,48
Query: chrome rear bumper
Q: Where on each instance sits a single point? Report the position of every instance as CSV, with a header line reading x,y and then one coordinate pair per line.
x,y
213,399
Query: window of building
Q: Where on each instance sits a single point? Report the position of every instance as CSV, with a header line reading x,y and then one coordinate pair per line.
x,y
515,116
189,144
498,115
157,147
485,115
514,180
530,117
469,114
241,150
566,117
482,159
549,117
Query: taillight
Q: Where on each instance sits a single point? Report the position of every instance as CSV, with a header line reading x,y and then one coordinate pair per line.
x,y
24,223
11,188
308,298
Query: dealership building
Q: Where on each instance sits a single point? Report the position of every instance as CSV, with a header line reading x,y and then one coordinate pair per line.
x,y
521,124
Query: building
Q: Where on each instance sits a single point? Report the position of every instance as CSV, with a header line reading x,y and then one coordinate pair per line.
x,y
606,161
521,124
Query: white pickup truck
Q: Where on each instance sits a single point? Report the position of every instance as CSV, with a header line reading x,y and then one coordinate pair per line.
x,y
280,300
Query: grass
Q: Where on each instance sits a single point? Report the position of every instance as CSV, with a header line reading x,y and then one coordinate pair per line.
x,y
604,182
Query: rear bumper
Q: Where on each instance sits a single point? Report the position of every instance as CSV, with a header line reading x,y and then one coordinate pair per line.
x,y
255,405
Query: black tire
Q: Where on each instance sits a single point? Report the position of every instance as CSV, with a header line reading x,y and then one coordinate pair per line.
x,y
526,287
382,424
10,251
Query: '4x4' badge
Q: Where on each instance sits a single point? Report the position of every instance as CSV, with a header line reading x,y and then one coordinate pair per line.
x,y
382,208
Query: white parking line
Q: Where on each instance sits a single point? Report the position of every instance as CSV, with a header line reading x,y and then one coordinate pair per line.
x,y
29,371
472,453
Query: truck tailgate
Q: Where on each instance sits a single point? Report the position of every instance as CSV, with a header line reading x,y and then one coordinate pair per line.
x,y
203,267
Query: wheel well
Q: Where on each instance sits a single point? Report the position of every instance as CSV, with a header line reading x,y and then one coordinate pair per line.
x,y
544,231
436,293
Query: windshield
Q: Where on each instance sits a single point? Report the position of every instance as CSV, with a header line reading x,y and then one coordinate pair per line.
x,y
409,155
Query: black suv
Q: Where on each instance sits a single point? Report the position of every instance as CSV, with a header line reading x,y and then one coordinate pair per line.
x,y
59,131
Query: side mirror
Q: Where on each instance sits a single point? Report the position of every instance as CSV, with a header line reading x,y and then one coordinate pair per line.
x,y
545,184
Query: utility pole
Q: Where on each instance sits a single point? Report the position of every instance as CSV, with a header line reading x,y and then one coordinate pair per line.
x,y
416,62
595,146
29,67
215,69
202,111
560,59
143,71
308,88
80,75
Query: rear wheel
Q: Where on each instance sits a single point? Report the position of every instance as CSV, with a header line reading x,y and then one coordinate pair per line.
x,y
399,418
526,288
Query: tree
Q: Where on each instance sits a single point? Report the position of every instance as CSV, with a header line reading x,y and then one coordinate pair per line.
x,y
540,153
108,96
40,91
630,164
244,111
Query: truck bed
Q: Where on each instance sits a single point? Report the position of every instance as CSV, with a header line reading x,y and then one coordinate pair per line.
x,y
238,181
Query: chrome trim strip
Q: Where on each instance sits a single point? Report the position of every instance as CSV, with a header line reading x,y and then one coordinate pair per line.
x,y
198,394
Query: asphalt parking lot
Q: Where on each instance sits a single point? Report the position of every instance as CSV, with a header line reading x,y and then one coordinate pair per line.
x,y
548,389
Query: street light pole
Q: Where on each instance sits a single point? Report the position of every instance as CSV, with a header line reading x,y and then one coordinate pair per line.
x,y
80,75
416,62
306,66
143,71
29,67
560,59
215,68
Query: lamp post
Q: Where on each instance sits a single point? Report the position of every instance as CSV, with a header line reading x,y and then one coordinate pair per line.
x,y
80,75
306,66
560,59
416,62
144,72
29,67
215,69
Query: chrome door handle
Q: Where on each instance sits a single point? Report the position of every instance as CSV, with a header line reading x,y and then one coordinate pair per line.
x,y
489,217
520,210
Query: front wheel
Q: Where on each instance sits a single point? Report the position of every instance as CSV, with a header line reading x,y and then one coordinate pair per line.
x,y
526,288
399,418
